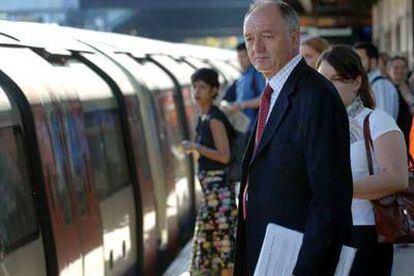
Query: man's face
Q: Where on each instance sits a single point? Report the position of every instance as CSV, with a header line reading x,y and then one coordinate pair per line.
x,y
398,71
269,43
243,59
362,53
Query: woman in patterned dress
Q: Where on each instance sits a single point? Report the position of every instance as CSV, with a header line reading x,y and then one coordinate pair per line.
x,y
213,248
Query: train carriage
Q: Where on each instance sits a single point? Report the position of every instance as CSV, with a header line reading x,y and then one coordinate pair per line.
x,y
94,129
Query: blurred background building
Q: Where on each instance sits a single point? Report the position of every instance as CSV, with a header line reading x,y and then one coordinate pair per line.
x,y
393,27
212,22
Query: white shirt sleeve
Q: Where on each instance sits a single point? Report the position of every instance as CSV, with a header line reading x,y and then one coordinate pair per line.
x,y
381,123
386,97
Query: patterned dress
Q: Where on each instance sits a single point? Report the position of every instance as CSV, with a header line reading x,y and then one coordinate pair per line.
x,y
214,238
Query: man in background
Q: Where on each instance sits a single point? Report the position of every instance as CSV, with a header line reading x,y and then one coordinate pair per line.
x,y
385,93
249,87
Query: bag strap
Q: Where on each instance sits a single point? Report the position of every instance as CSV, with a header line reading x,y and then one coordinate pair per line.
x,y
368,144
377,78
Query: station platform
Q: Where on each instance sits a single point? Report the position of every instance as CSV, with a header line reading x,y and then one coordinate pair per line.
x,y
403,261
181,264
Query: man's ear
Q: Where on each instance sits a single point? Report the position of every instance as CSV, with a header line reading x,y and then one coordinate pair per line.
x,y
295,35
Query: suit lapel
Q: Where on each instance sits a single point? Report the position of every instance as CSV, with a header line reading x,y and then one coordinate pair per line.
x,y
279,109
248,153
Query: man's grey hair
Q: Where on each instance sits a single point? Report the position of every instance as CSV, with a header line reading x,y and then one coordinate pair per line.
x,y
288,13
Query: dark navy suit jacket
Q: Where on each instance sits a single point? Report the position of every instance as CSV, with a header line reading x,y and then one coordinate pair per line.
x,y
300,176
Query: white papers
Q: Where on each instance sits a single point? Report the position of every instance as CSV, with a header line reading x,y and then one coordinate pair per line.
x,y
345,261
237,119
280,252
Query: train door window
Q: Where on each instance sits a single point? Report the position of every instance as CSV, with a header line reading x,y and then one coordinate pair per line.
x,y
144,154
60,187
17,217
97,154
107,151
76,161
116,156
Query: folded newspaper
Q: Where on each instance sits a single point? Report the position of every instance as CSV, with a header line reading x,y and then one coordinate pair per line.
x,y
280,252
238,119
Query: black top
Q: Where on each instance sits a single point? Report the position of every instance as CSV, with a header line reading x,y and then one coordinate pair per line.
x,y
404,116
205,137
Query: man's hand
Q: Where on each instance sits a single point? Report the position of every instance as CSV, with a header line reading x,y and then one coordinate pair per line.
x,y
235,107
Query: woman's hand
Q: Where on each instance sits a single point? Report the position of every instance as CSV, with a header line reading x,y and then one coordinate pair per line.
x,y
190,147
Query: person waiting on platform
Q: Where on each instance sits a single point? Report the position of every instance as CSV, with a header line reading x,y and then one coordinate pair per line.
x,y
342,66
398,72
312,48
249,87
383,60
385,94
214,238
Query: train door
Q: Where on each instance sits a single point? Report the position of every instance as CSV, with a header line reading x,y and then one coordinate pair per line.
x,y
67,229
110,169
122,83
21,243
31,76
83,195
180,73
152,78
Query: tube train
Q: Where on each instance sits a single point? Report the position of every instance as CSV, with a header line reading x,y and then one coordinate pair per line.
x,y
93,178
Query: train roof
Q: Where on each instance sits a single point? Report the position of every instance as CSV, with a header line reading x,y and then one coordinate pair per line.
x,y
37,35
140,46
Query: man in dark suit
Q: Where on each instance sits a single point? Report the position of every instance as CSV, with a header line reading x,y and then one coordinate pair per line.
x,y
296,169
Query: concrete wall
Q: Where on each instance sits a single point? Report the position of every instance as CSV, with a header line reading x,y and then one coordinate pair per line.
x,y
393,27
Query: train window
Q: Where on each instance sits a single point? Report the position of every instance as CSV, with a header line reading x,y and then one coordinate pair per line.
x,y
76,162
17,216
143,158
107,151
60,187
97,154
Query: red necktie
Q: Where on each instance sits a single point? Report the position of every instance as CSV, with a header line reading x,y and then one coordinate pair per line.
x,y
261,123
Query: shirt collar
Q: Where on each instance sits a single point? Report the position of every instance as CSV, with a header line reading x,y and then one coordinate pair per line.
x,y
373,74
278,80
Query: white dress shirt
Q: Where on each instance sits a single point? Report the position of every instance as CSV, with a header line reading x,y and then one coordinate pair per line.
x,y
278,81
